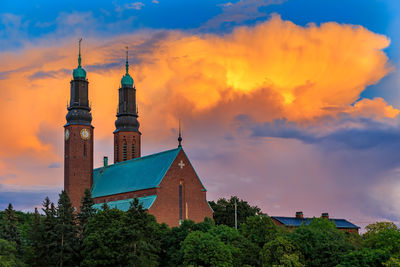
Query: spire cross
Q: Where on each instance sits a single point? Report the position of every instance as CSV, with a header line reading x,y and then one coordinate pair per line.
x,y
180,135
79,57
127,64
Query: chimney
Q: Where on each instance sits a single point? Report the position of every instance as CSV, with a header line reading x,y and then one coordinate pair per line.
x,y
105,161
299,215
325,215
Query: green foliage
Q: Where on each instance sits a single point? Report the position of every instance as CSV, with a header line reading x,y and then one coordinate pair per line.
x,y
280,252
112,237
117,238
8,255
86,209
383,235
392,262
320,243
35,255
365,257
204,249
171,253
9,230
259,229
244,252
224,211
66,231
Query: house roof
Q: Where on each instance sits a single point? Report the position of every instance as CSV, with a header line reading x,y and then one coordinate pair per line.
x,y
124,204
295,222
132,175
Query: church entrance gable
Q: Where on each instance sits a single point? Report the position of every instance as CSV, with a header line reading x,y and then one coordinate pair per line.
x,y
181,194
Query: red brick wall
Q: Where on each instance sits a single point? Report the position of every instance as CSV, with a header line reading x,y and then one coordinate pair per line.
x,y
78,166
128,138
166,206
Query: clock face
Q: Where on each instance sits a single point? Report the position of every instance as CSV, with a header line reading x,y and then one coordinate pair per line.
x,y
66,135
85,134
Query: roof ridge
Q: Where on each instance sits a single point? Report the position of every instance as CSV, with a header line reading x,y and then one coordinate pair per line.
x,y
137,159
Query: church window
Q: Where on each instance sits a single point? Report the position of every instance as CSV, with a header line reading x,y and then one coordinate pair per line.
x,y
133,150
124,152
180,202
84,150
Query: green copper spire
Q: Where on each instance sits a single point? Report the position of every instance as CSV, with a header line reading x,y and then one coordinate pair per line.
x,y
127,80
79,72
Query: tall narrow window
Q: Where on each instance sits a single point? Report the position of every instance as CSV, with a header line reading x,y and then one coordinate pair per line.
x,y
84,150
133,150
116,151
124,152
180,202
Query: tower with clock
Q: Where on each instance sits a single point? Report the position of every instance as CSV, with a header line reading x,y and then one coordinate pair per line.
x,y
78,143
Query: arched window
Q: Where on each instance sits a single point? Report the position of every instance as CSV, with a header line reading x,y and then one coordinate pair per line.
x,y
124,152
133,150
84,150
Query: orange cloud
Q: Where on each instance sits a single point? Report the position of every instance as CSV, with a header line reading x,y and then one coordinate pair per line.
x,y
275,69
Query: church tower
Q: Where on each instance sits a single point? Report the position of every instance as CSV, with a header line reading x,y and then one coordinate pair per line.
x,y
78,144
126,134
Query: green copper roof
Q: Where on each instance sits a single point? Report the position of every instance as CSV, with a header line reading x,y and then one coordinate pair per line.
x,y
124,204
79,72
127,79
132,175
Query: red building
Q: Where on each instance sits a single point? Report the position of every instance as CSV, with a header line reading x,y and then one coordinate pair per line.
x,y
165,183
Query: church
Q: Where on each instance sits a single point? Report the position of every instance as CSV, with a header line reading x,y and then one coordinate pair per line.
x,y
165,183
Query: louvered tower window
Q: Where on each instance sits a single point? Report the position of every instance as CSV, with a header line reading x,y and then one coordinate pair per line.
x,y
124,152
133,150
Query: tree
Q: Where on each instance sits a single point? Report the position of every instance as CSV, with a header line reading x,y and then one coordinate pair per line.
x,y
117,238
259,229
10,231
364,257
204,249
320,242
383,235
224,211
36,234
8,256
86,210
171,253
280,252
49,236
66,231
104,238
142,236
244,252
392,262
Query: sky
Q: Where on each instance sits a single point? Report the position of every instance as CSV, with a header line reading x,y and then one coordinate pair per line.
x,y
292,105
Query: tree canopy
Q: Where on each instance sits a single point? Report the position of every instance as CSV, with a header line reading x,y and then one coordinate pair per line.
x,y
60,236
